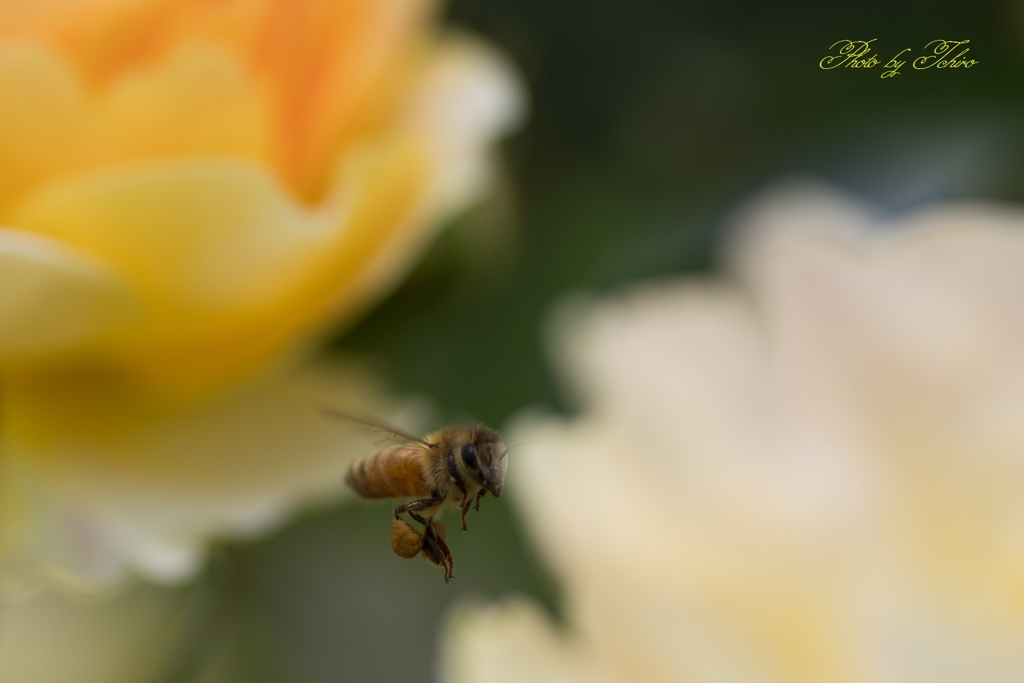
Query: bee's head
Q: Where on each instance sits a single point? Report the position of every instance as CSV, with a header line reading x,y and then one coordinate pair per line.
x,y
484,458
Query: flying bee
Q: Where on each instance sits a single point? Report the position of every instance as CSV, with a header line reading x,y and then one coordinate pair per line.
x,y
452,466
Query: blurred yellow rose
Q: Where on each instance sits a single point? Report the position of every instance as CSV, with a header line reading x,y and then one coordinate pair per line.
x,y
190,192
809,471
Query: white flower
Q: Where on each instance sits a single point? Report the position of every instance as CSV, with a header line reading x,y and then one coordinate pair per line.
x,y
811,469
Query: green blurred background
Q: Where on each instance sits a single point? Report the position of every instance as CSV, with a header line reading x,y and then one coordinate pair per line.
x,y
650,121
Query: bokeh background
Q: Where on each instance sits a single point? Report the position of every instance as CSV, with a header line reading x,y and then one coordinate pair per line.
x,y
649,123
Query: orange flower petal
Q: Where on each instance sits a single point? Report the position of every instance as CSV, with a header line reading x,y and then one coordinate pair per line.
x,y
43,120
331,66
106,37
196,103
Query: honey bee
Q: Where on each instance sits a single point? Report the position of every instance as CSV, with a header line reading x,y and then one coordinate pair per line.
x,y
452,466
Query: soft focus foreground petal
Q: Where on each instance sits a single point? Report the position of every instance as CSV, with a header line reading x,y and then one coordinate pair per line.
x,y
694,555
44,120
810,476
149,492
467,97
695,381
55,299
931,293
197,102
509,643
48,638
918,324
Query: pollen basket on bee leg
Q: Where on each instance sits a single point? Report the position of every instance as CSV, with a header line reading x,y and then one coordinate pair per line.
x,y
405,540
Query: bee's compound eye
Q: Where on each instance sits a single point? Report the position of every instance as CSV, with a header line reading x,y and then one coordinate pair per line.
x,y
469,457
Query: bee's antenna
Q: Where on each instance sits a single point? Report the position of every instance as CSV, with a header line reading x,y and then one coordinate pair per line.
x,y
525,443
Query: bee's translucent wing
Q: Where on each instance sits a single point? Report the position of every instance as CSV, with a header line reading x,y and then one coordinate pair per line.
x,y
378,427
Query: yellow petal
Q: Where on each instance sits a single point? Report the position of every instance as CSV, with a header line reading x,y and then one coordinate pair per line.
x,y
43,120
145,492
198,102
196,235
233,270
56,299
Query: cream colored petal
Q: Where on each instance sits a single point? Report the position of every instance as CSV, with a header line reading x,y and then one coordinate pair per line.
x,y
676,371
915,325
908,636
48,638
929,296
198,102
685,578
513,642
147,496
55,299
793,480
44,121
468,96
714,522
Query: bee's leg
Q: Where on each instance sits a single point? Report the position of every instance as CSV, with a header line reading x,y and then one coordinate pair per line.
x,y
434,556
434,547
437,533
479,495
466,502
415,505
436,550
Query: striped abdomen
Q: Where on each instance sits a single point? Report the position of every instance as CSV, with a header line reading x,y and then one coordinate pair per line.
x,y
394,472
